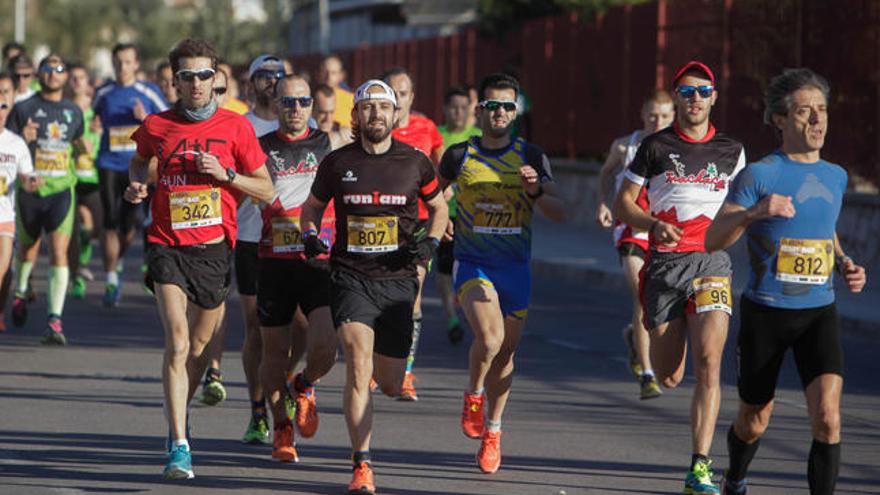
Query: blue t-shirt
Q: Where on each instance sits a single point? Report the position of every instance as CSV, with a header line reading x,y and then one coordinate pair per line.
x,y
114,105
791,258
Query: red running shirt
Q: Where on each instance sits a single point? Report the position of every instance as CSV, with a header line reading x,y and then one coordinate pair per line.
x,y
421,133
189,207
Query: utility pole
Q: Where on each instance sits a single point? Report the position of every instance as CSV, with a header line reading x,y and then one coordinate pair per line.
x,y
324,26
20,17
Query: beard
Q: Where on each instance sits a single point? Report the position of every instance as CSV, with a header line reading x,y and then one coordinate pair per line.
x,y
375,134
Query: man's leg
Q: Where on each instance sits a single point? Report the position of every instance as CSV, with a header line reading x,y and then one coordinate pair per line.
x,y
299,333
640,341
203,324
707,332
823,404
252,350
668,349
483,312
273,376
743,439
6,253
59,273
172,305
213,391
357,345
408,390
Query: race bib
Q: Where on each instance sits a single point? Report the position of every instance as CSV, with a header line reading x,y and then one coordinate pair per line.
x,y
713,294
4,186
120,138
372,234
286,235
804,261
496,216
195,208
50,163
85,166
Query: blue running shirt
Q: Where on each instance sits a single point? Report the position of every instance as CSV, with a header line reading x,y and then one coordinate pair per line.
x,y
114,105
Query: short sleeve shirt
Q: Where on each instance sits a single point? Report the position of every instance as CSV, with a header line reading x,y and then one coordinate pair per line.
x,y
15,159
114,105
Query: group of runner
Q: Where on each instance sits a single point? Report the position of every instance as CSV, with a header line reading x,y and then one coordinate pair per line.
x,y
332,221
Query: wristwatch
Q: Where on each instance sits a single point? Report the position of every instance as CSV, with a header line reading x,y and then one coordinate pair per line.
x,y
230,174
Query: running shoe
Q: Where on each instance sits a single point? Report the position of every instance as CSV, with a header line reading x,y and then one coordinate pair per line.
x,y
455,333
78,288
283,446
111,296
698,481
86,274
306,409
179,466
473,421
54,334
289,406
362,480
19,311
489,455
257,430
650,387
634,367
730,487
408,389
213,391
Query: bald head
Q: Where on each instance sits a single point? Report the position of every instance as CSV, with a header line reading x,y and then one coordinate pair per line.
x,y
293,104
331,72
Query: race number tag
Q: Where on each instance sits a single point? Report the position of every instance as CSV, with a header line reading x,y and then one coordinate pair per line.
x,y
286,235
712,294
120,139
372,234
48,163
85,166
4,186
494,215
195,208
804,261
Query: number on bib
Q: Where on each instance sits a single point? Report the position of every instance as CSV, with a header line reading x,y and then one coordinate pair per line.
x,y
120,139
286,235
372,234
804,261
498,218
4,185
195,208
49,163
713,294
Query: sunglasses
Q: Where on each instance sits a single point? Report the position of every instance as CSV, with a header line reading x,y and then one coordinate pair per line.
x,y
688,92
219,91
190,75
22,75
492,105
58,69
4,106
291,101
268,74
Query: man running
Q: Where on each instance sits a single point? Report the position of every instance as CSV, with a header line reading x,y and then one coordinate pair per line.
x,y
456,105
375,184
50,124
632,245
324,110
788,204
499,180
207,159
165,81
120,107
421,133
685,290
332,73
294,153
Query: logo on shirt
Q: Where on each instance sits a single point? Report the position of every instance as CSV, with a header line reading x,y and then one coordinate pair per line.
x,y
374,199
40,114
708,176
813,188
349,176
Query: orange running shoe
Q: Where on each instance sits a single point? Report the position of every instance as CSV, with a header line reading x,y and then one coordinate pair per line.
x,y
373,384
472,418
283,447
489,455
306,409
362,480
408,389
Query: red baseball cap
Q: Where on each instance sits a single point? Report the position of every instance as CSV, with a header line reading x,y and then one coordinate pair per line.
x,y
693,65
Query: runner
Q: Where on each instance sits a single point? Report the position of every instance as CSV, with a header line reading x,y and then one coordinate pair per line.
x,y
632,245
294,153
374,183
456,105
88,198
207,159
10,50
421,133
15,167
165,81
788,204
229,88
685,291
499,180
324,109
50,124
22,69
7,94
120,106
332,73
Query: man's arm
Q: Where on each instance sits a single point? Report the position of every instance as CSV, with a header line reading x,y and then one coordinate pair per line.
x,y
310,214
629,212
257,185
547,195
438,216
730,223
606,177
855,275
138,176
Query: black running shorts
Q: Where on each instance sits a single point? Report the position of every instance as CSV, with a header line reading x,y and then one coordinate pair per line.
x,y
385,305
37,214
118,214
285,284
246,267
445,258
631,249
202,271
766,333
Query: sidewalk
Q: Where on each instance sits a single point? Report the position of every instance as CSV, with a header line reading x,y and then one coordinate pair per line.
x,y
585,254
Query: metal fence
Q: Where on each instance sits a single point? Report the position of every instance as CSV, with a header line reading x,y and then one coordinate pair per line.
x,y
586,79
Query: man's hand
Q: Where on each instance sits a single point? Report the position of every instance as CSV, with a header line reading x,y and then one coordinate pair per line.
x,y
29,133
207,163
423,250
31,183
313,245
450,230
603,216
139,112
774,205
666,233
853,274
529,177
136,192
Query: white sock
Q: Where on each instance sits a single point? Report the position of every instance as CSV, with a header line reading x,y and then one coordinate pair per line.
x,y
477,392
493,426
179,442
648,372
113,278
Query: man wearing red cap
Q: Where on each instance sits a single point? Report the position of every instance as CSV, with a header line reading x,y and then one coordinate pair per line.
x,y
685,290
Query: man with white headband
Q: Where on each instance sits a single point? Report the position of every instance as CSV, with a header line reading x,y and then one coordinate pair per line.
x,y
375,184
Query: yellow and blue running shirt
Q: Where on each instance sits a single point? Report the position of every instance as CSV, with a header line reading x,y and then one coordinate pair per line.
x,y
494,222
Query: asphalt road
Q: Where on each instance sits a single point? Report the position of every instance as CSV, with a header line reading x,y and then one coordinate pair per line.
x,y
88,418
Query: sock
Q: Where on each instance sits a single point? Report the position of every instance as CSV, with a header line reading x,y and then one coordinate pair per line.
x,y
493,426
301,384
822,467
741,455
698,458
258,407
417,330
58,278
478,391
452,323
648,372
23,270
179,442
213,375
113,278
85,247
360,456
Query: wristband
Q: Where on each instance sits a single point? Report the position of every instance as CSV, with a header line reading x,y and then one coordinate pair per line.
x,y
539,194
653,225
839,261
310,232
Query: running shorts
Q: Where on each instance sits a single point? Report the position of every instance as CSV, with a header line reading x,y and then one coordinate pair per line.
x,y
202,271
625,249
445,258
285,284
512,282
118,214
246,267
36,214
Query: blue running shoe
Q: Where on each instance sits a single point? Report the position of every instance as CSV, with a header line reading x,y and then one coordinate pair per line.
x,y
699,480
179,466
730,487
111,296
